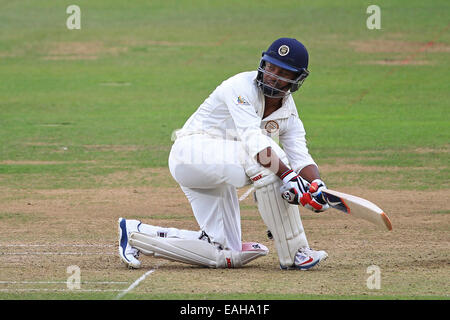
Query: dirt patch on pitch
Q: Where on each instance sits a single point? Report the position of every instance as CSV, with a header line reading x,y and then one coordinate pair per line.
x,y
90,50
395,46
26,162
413,258
389,46
397,62
165,43
345,167
115,148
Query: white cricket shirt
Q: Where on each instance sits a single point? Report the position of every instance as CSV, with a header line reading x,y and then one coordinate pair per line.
x,y
234,111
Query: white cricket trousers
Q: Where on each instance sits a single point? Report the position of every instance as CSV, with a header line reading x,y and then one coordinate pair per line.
x,y
209,171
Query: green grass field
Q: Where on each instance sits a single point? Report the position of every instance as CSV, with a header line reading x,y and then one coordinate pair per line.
x,y
94,108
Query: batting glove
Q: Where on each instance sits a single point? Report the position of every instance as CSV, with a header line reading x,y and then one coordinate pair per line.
x,y
317,202
294,188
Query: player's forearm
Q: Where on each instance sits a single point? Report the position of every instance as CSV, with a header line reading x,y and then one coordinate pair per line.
x,y
268,159
310,173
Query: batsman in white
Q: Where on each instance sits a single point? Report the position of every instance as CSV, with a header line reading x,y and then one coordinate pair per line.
x,y
229,143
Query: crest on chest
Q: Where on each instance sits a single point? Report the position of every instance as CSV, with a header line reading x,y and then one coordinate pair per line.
x,y
271,127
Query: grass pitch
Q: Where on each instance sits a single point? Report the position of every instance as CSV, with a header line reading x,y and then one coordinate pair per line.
x,y
87,116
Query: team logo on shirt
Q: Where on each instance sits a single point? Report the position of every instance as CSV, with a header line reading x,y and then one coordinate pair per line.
x,y
241,100
283,50
272,126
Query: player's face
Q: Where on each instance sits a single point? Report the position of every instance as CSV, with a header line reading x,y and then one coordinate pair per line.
x,y
274,80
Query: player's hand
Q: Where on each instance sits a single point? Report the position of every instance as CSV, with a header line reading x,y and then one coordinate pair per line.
x,y
294,189
317,202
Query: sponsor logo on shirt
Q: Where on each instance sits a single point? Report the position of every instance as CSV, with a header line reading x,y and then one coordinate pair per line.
x,y
241,100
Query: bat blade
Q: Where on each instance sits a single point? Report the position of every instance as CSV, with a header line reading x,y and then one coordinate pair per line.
x,y
357,207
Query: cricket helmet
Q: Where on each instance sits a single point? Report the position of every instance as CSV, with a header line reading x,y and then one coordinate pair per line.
x,y
289,54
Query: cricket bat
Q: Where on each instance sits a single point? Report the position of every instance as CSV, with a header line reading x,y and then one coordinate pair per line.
x,y
357,207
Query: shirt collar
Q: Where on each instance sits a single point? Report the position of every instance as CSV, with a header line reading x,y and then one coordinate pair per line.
x,y
284,112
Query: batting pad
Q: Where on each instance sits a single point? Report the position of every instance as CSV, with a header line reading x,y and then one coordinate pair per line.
x,y
196,252
282,219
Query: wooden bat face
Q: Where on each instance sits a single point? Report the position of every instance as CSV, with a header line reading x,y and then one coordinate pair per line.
x,y
357,207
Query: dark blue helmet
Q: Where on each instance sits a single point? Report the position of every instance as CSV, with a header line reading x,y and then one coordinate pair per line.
x,y
289,54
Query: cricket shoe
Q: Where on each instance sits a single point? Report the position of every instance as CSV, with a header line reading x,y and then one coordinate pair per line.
x,y
307,258
127,253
